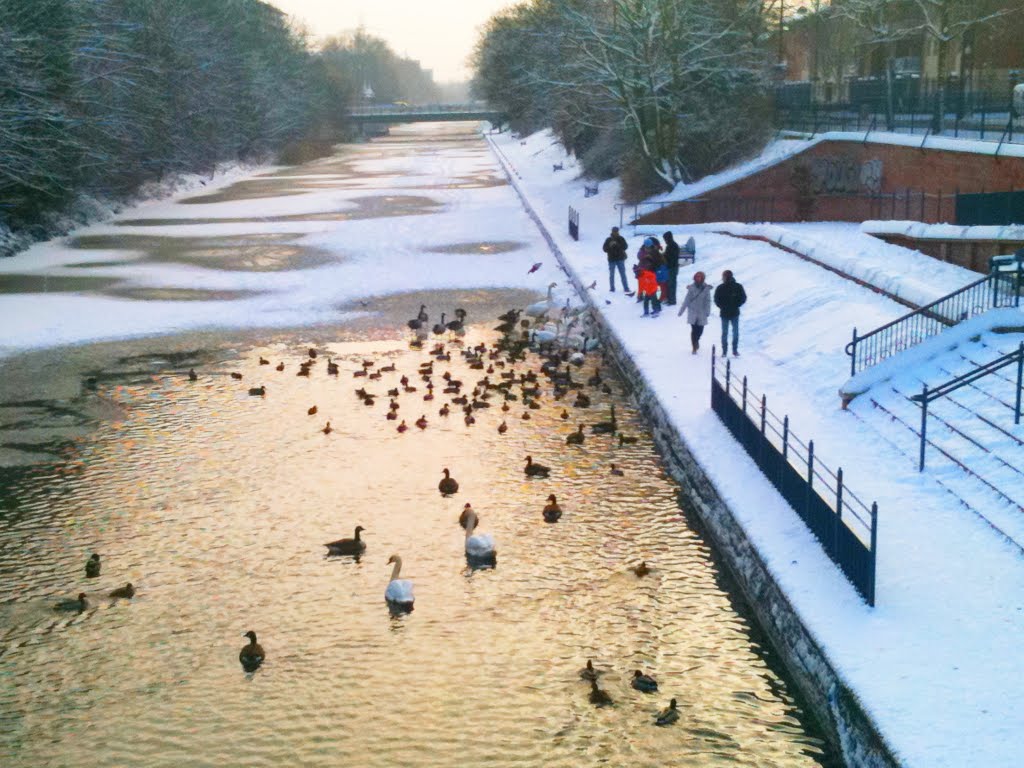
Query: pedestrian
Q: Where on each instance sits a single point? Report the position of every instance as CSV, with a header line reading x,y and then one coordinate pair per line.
x,y
672,264
615,246
729,297
697,305
650,261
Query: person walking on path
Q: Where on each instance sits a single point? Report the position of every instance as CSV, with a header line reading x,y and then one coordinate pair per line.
x,y
615,246
650,261
697,305
672,263
729,297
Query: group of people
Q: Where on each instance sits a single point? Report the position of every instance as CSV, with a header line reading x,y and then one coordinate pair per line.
x,y
657,274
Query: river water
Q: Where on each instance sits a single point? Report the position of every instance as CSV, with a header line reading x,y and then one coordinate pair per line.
x,y
216,504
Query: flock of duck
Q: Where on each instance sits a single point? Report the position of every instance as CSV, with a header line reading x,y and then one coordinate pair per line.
x,y
501,386
81,603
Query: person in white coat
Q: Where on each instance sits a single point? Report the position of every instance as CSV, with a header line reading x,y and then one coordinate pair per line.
x,y
697,306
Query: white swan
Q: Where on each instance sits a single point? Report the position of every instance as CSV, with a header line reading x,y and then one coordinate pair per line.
x,y
541,308
399,591
479,546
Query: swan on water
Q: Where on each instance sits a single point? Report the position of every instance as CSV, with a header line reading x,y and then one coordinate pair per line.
x,y
399,592
479,546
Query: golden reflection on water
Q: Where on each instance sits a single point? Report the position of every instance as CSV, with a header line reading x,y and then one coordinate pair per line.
x,y
216,504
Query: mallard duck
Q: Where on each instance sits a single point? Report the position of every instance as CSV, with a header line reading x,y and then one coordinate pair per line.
x,y
552,512
448,484
236,376
598,697
279,367
327,428
192,375
565,415
467,512
581,401
127,591
402,427
92,567
259,391
576,438
589,673
353,546
332,367
616,471
391,416
626,440
606,427
399,593
264,361
421,422
502,428
79,604
312,411
643,682
535,470
642,569
668,715
251,655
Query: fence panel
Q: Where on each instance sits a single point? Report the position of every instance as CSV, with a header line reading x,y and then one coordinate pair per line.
x,y
990,209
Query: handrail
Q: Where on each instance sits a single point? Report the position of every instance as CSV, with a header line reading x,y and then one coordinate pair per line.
x,y
929,394
933,318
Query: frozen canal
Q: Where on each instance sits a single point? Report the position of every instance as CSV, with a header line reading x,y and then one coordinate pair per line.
x,y
216,504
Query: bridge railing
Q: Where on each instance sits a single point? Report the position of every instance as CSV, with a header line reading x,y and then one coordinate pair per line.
x,y
416,109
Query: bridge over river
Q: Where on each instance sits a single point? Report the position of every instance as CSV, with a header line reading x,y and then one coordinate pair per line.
x,y
425,113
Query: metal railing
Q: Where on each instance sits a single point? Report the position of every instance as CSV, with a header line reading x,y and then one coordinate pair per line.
x,y
928,394
846,527
999,289
574,223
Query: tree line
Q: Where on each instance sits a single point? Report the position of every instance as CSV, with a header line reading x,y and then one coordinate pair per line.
x,y
653,91
100,96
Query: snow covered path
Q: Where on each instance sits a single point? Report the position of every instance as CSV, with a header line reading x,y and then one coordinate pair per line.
x,y
937,661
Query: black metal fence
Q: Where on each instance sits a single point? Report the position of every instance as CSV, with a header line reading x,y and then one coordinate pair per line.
x,y
574,223
999,289
844,525
990,209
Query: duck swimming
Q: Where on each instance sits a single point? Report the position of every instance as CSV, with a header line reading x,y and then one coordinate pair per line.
x,y
552,512
668,715
598,697
353,546
643,682
642,569
535,470
251,655
576,438
92,567
79,604
127,591
467,511
448,484
588,672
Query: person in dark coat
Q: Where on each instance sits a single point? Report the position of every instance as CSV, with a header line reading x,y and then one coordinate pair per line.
x,y
615,247
672,262
729,297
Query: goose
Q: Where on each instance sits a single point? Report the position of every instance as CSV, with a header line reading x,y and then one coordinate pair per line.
x,y
417,322
606,427
127,591
642,569
626,440
552,512
668,715
589,673
353,546
479,546
79,604
280,367
92,567
456,325
535,470
541,308
192,375
467,511
448,484
251,655
259,391
598,697
312,411
644,683
439,328
576,438
616,471
422,314
264,361
327,428
399,592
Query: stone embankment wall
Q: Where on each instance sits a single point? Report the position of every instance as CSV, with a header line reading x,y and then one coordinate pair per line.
x,y
839,713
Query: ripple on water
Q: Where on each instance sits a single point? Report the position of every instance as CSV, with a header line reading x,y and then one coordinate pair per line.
x,y
216,506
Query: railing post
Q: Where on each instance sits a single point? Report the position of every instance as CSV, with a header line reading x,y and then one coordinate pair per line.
x,y
764,410
728,373
874,554
839,493
810,480
785,438
853,354
924,424
744,395
1020,371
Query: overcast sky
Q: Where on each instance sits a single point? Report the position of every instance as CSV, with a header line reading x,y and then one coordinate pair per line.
x,y
438,33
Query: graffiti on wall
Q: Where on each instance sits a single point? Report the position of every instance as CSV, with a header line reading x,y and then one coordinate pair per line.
x,y
840,175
